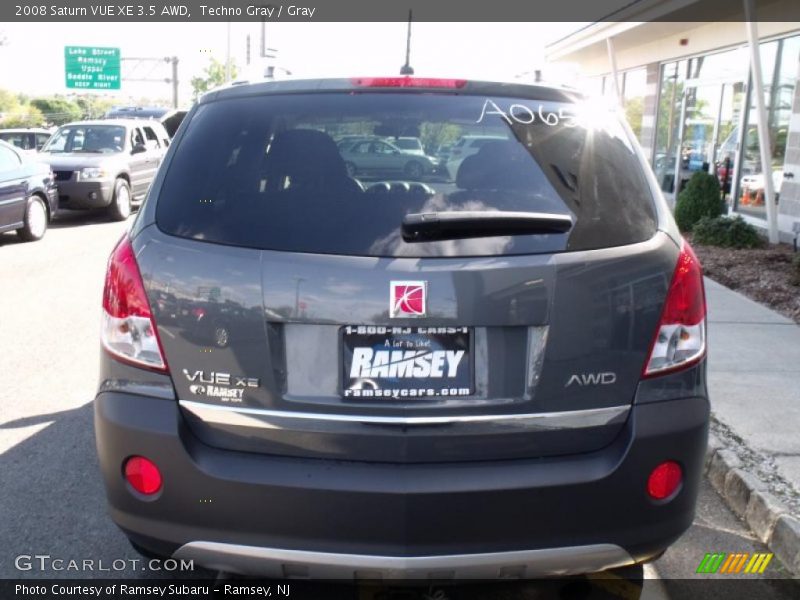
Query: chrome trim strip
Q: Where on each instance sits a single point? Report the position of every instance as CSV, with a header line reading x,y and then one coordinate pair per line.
x,y
279,562
12,200
235,415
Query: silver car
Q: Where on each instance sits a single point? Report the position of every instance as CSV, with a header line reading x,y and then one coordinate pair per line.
x,y
379,157
105,164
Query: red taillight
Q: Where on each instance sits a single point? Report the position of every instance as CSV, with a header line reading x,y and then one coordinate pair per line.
x,y
664,480
128,331
680,339
124,295
198,313
143,475
686,302
415,82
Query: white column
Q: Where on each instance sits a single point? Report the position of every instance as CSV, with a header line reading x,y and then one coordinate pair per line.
x,y
612,59
761,112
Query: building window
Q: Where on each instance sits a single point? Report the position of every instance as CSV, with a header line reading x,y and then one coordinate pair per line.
x,y
634,90
779,66
698,117
673,78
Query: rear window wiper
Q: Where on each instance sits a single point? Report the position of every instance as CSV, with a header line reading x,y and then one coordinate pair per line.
x,y
451,225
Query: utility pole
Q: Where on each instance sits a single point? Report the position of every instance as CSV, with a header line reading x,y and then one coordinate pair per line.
x,y
263,37
228,54
174,61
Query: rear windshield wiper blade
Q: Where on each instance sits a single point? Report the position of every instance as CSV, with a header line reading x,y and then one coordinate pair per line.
x,y
451,225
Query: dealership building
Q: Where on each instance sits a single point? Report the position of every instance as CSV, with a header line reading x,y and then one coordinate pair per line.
x,y
690,93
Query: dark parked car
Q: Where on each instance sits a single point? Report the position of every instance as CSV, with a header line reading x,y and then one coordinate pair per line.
x,y
28,197
168,117
105,164
501,375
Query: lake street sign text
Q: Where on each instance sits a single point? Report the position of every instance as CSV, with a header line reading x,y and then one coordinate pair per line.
x,y
92,68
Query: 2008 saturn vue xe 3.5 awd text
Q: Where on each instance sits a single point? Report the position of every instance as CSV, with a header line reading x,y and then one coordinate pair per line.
x,y
498,371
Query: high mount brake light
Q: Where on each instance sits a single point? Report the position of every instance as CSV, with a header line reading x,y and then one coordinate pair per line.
x,y
128,330
409,82
680,340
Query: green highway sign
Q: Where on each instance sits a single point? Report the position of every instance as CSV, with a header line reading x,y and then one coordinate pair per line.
x,y
92,68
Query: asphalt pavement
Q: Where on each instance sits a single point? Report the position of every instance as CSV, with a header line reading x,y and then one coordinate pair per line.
x,y
52,501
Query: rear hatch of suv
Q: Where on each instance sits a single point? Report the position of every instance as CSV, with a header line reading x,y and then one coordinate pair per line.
x,y
404,315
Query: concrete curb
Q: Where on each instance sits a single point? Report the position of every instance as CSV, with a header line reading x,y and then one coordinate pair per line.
x,y
750,499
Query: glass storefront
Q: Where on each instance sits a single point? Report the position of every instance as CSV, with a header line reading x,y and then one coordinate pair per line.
x,y
673,78
700,125
699,111
779,66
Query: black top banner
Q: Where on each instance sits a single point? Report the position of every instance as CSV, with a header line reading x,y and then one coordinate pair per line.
x,y
395,10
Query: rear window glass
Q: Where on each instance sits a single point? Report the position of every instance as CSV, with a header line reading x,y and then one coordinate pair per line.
x,y
324,173
406,144
23,141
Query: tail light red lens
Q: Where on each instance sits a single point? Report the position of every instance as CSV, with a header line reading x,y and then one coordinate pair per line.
x,y
664,480
143,475
680,339
128,330
413,82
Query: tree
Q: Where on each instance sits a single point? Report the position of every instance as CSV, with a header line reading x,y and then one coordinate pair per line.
x,y
23,116
213,76
93,107
433,135
634,108
57,110
9,101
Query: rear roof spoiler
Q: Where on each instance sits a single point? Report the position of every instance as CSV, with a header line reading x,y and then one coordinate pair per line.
x,y
547,93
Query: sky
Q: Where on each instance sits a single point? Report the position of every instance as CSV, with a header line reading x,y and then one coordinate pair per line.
x,y
494,51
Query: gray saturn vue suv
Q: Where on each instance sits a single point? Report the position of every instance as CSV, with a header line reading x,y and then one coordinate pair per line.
x,y
495,372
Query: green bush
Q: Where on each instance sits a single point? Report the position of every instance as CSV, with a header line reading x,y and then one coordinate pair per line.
x,y
700,198
726,232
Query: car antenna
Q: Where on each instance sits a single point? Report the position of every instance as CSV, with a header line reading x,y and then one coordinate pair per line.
x,y
407,69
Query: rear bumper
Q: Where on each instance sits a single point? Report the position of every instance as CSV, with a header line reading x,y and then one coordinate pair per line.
x,y
279,563
278,516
